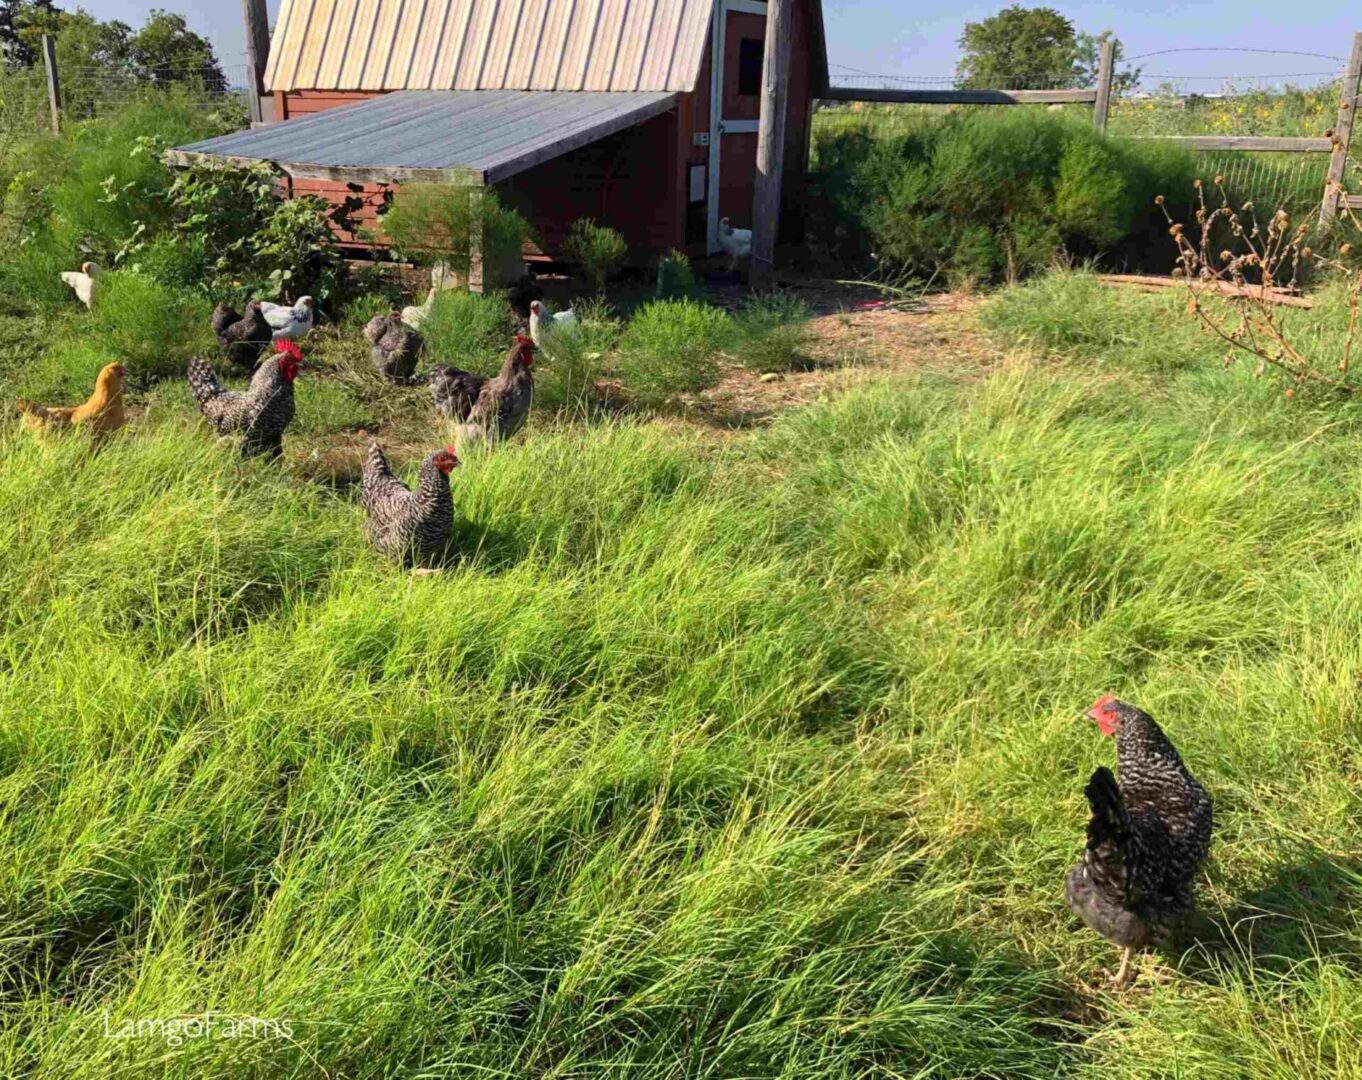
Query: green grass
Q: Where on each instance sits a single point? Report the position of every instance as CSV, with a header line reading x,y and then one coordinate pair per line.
x,y
756,758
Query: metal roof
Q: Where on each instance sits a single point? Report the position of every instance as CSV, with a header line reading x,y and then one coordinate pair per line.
x,y
478,136
489,45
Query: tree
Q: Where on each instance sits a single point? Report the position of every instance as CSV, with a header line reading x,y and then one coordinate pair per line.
x,y
22,25
1089,54
166,51
1019,49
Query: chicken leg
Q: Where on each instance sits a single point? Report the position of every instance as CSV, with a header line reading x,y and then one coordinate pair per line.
x,y
1119,982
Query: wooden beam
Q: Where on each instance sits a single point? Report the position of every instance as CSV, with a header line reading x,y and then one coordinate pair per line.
x,y
257,53
1153,284
1352,202
53,82
1102,106
775,94
960,97
1343,133
344,174
1264,143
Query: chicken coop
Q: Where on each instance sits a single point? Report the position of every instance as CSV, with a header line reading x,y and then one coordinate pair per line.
x,y
642,114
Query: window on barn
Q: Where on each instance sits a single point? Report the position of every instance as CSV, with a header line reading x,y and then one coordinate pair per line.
x,y
750,56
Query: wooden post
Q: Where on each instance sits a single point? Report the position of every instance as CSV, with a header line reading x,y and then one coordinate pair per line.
x,y
257,54
1343,132
775,92
477,268
53,83
1102,106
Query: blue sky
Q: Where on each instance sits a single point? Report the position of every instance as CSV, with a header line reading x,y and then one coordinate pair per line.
x,y
896,37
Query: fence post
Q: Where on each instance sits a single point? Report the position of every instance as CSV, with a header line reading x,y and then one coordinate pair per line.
x,y
775,88
1102,106
257,53
53,84
1343,131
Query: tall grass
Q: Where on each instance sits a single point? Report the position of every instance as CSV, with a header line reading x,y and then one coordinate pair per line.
x,y
759,760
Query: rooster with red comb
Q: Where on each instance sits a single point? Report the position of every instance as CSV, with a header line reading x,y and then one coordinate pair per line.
x,y
262,412
1148,836
504,401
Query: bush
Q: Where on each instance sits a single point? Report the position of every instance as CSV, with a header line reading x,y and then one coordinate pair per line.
x,y
672,347
466,328
770,333
435,223
152,328
600,251
676,278
985,195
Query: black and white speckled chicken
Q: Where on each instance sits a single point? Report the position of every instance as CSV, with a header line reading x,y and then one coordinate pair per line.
x,y
504,401
395,346
261,412
404,524
242,337
1147,838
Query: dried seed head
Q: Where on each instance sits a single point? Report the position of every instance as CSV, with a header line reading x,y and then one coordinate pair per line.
x,y
1290,392
1197,183
1158,200
1306,252
1346,249
1175,231
1219,179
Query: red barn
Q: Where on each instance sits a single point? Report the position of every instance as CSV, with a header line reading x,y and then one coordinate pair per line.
x,y
639,113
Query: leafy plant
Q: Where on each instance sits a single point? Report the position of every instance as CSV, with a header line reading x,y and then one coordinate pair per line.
x,y
436,223
598,249
673,347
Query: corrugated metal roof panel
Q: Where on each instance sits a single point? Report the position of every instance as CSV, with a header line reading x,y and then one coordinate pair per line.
x,y
488,44
495,133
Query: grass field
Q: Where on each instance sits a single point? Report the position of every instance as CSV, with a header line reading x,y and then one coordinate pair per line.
x,y
757,756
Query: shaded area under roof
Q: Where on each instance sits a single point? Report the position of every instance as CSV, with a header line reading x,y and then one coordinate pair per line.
x,y
469,136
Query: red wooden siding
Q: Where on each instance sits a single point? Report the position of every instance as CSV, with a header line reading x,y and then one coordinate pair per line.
x,y
297,103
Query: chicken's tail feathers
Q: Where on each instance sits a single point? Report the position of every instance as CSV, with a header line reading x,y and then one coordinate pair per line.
x,y
1110,823
203,381
376,463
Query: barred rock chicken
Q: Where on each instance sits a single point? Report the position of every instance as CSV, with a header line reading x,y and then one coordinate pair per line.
x,y
455,391
242,337
409,525
100,415
1147,838
504,402
395,346
262,412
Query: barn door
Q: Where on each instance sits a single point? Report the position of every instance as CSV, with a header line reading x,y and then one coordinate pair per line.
x,y
739,47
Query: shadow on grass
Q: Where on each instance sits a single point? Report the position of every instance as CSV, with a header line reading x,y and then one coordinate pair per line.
x,y
1310,909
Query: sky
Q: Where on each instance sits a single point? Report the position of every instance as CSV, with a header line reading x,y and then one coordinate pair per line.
x,y
918,38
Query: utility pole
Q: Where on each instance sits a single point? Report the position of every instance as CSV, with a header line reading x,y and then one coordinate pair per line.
x,y
775,92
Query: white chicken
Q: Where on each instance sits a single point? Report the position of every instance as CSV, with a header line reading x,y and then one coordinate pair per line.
x,y
289,322
415,314
737,242
83,282
544,324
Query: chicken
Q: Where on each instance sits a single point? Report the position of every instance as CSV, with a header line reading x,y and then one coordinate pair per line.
x,y
395,346
504,401
415,315
455,391
262,412
242,337
101,415
1147,838
544,324
737,242
409,525
83,282
289,322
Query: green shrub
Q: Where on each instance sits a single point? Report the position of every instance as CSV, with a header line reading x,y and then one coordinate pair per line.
x,y
151,327
467,328
676,278
435,223
770,333
599,250
986,195
673,347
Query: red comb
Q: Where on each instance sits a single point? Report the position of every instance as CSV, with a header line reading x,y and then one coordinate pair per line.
x,y
451,451
1103,703
289,347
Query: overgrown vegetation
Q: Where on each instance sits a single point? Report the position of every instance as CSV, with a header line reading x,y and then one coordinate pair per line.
x,y
598,249
980,196
671,347
448,223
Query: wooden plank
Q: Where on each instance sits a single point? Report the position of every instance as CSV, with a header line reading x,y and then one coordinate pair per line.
x,y
257,52
1263,143
960,97
775,92
1150,283
1352,202
1343,133
345,174
53,83
1102,106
